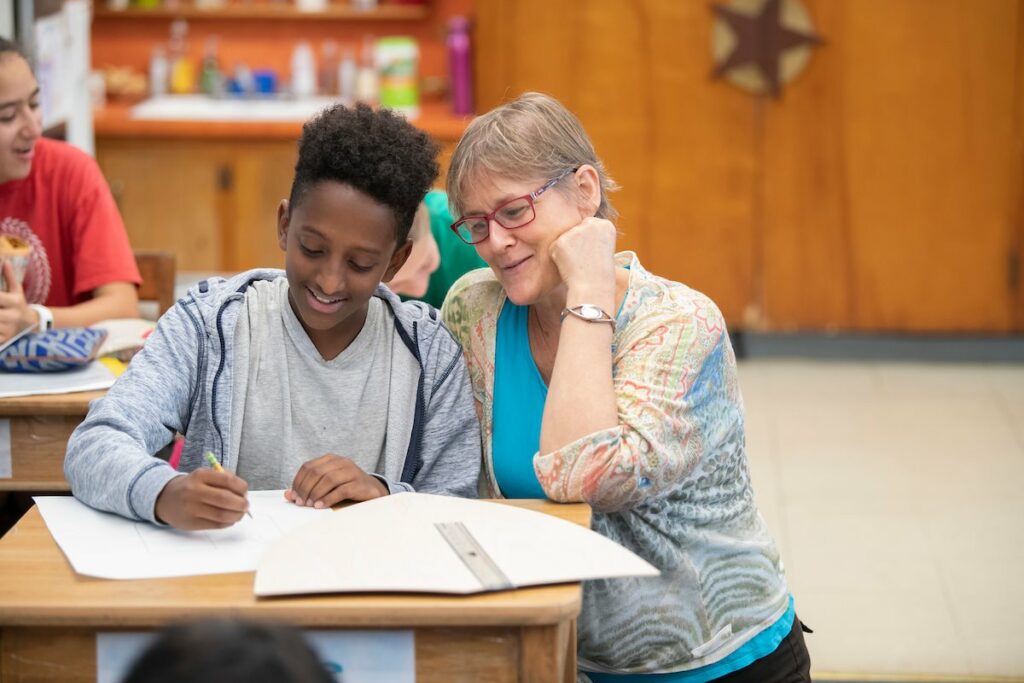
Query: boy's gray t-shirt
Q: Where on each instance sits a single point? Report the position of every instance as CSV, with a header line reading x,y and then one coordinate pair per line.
x,y
291,406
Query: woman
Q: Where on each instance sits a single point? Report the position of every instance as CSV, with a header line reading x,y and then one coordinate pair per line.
x,y
597,381
53,197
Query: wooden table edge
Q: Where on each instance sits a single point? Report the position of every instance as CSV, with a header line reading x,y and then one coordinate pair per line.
x,y
71,403
560,602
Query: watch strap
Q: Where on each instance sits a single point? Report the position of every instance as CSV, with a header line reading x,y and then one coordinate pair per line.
x,y
45,316
588,312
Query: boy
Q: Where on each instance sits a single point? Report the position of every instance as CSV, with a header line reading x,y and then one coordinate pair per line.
x,y
318,380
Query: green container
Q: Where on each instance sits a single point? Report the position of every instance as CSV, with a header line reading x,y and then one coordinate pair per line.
x,y
397,64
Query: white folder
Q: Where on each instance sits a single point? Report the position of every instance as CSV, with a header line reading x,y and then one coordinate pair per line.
x,y
394,544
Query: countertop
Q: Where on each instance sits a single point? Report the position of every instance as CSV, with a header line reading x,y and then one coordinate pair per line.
x,y
115,121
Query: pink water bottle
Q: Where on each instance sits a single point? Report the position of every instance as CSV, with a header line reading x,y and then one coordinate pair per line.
x,y
459,65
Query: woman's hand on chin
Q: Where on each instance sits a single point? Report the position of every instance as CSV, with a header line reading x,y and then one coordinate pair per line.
x,y
585,257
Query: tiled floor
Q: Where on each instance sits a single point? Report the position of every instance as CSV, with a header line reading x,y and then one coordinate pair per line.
x,y
896,492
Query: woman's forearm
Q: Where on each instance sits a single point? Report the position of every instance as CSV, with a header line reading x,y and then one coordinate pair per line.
x,y
581,395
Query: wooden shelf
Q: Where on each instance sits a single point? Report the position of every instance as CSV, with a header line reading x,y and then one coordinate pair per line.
x,y
281,11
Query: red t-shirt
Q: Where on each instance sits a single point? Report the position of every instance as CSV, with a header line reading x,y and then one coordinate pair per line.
x,y
65,210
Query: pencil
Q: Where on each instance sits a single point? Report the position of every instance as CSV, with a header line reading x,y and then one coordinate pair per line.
x,y
210,458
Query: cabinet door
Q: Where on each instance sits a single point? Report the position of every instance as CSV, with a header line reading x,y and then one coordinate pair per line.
x,y
263,174
213,203
171,195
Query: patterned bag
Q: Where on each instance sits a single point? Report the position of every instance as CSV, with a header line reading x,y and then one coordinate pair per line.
x,y
58,349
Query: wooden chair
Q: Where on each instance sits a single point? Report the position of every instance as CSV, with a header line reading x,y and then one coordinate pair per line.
x,y
157,269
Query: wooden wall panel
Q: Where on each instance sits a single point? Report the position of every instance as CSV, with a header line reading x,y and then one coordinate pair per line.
x,y
637,73
804,277
699,163
883,191
1016,177
928,100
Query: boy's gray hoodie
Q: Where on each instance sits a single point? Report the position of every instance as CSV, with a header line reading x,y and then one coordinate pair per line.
x,y
181,381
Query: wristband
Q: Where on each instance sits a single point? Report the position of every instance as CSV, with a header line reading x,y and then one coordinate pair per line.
x,y
45,316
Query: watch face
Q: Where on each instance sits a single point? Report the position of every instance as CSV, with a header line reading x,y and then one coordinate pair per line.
x,y
591,312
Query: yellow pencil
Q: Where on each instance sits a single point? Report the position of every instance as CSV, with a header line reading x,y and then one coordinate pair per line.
x,y
210,458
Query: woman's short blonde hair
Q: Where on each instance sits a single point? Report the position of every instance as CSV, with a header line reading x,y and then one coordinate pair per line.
x,y
533,137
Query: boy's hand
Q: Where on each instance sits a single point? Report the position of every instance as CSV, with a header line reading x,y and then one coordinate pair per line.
x,y
205,499
331,479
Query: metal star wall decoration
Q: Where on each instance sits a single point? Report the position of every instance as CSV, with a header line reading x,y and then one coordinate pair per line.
x,y
761,44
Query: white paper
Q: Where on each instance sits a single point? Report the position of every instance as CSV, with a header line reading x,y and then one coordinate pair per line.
x,y
108,546
6,19
51,36
123,334
349,656
391,544
6,469
78,57
91,377
366,656
116,652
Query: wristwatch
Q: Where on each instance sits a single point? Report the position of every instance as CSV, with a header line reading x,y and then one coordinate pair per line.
x,y
590,313
45,316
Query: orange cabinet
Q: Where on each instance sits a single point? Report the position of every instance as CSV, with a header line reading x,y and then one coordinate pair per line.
x,y
214,204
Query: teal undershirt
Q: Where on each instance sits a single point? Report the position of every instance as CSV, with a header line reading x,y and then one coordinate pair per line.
x,y
519,396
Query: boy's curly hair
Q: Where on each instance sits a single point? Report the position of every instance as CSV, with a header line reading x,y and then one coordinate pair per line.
x,y
376,152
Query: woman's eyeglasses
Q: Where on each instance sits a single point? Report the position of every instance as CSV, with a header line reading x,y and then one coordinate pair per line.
x,y
515,213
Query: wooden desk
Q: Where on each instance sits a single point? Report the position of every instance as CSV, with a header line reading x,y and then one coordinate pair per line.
x,y
49,616
40,427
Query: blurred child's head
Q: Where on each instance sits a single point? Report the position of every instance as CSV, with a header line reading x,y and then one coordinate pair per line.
x,y
360,177
21,122
414,277
228,652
